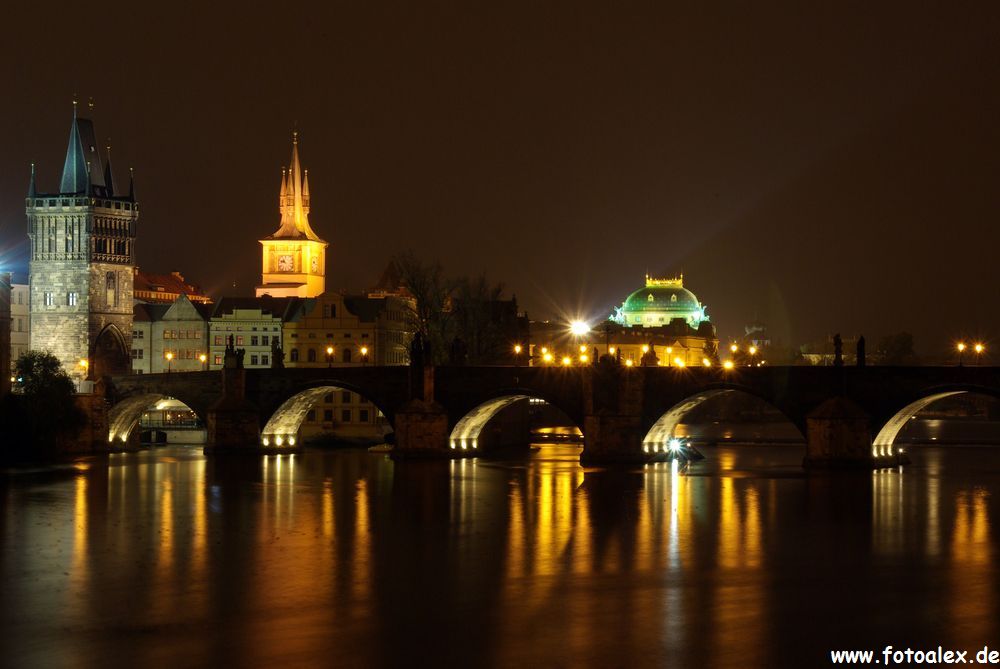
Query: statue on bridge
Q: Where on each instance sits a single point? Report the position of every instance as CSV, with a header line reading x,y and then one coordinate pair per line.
x,y
277,355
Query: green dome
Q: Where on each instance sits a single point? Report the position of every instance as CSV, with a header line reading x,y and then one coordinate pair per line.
x,y
659,303
662,298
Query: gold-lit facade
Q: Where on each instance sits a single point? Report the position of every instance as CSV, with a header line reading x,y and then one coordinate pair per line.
x,y
294,257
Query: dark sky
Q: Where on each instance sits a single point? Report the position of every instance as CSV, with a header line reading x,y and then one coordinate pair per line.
x,y
827,166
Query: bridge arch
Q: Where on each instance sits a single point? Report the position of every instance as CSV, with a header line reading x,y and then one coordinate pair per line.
x,y
124,416
660,433
467,433
884,442
285,422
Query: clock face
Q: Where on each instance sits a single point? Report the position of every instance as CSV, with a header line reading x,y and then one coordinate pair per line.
x,y
285,263
315,264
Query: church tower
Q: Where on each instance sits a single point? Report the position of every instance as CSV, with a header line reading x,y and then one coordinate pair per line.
x,y
294,257
82,261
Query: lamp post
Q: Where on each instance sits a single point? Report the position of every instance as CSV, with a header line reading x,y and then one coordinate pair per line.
x,y
978,348
752,351
364,356
961,352
84,366
329,356
170,358
204,360
517,355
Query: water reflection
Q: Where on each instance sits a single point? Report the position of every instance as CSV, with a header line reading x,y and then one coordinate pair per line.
x,y
739,560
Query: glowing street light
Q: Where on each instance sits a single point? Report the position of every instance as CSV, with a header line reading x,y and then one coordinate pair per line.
x,y
728,364
612,350
978,348
329,356
547,357
678,362
566,361
629,363
706,362
752,351
961,351
170,358
584,358
364,356
204,359
579,328
733,348
517,349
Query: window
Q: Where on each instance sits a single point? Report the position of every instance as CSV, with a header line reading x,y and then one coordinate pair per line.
x,y
311,355
168,334
265,360
311,416
71,299
328,398
294,355
253,360
239,340
363,415
218,340
345,416
328,415
253,340
137,334
264,340
137,354
218,360
346,355
345,397
49,300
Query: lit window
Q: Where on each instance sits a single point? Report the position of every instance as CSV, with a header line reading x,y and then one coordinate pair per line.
x,y
71,299
218,360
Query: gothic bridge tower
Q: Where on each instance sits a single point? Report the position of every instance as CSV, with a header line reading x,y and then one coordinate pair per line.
x,y
294,257
82,261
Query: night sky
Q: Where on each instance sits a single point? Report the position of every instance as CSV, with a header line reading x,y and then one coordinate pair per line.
x,y
824,166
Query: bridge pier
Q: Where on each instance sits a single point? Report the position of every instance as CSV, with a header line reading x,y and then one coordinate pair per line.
x,y
422,431
838,436
233,423
612,424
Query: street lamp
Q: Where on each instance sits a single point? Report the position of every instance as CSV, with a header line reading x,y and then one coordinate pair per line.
x,y
170,358
84,365
728,364
978,348
204,359
517,355
329,356
364,355
752,351
961,351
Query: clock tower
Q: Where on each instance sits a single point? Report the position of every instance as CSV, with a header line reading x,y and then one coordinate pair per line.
x,y
294,257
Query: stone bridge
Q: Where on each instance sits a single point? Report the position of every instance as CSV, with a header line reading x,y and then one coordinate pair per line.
x,y
847,415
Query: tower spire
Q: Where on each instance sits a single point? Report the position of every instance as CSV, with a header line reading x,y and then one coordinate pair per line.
x,y
131,184
31,183
109,180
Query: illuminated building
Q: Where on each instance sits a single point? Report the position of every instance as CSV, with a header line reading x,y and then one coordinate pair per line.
x,y
20,320
661,324
294,257
660,303
335,330
254,324
179,329
82,260
165,288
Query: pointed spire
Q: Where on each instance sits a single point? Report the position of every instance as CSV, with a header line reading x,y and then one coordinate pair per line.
x,y
131,184
296,173
31,184
109,180
284,185
305,188
75,176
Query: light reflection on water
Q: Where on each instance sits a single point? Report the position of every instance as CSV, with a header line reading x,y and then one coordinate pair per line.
x,y
739,560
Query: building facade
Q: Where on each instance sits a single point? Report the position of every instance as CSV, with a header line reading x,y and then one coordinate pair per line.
x,y
293,259
334,330
661,324
254,323
170,337
20,320
82,261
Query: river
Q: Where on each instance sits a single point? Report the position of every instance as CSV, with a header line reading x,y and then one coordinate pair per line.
x,y
346,558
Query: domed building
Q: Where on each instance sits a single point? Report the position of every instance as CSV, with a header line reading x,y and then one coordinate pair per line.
x,y
659,303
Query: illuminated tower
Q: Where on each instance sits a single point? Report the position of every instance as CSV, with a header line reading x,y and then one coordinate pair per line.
x,y
294,257
82,260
